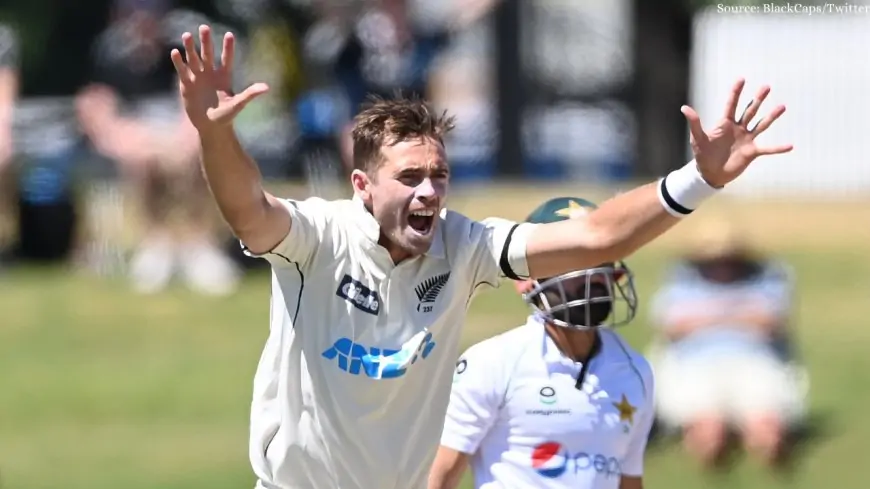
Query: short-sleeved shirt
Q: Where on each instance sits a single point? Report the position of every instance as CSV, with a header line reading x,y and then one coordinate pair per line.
x,y
354,378
516,410
687,293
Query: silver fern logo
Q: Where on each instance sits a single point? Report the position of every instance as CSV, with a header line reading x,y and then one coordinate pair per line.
x,y
428,291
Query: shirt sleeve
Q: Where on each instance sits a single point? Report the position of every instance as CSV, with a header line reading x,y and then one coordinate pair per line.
x,y
632,464
475,401
501,249
308,223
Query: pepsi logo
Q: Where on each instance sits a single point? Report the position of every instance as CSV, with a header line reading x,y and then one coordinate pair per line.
x,y
548,459
552,460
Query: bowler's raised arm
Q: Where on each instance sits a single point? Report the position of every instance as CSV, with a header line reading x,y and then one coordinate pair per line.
x,y
628,221
259,219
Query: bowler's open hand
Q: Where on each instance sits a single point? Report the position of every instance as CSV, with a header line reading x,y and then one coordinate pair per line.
x,y
726,151
206,87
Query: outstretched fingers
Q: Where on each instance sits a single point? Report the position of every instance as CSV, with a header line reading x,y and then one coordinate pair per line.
x,y
184,74
228,52
695,127
194,63
774,150
733,100
239,101
765,123
250,94
206,46
753,106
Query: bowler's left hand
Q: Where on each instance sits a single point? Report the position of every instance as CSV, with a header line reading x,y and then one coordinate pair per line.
x,y
724,153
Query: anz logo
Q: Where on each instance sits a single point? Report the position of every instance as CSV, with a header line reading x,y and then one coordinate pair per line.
x,y
360,296
377,362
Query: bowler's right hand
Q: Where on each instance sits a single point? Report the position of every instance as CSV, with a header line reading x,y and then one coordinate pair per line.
x,y
206,88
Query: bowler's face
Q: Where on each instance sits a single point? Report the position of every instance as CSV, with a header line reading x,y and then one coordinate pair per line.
x,y
408,192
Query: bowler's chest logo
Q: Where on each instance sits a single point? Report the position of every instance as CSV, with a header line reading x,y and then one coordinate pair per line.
x,y
360,296
428,291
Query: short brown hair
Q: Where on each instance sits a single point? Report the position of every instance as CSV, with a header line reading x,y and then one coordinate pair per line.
x,y
391,121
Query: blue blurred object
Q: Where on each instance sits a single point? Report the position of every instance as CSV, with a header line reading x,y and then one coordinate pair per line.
x,y
472,170
540,167
615,170
321,113
47,178
604,171
47,213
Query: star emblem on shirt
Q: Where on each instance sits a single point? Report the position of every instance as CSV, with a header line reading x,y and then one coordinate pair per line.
x,y
626,410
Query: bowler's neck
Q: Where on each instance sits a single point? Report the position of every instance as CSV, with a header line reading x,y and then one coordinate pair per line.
x,y
397,254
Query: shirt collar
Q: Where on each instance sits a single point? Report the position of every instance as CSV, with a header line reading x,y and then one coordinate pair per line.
x,y
372,230
549,350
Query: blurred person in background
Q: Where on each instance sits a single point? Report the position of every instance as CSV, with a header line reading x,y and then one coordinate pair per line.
x,y
724,357
379,47
386,49
462,85
132,114
270,51
462,81
42,65
562,401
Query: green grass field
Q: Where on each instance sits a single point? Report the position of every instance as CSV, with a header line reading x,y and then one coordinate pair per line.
x,y
102,389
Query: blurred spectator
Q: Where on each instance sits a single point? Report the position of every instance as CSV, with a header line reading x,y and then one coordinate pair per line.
x,y
376,47
41,60
362,48
462,85
386,50
292,50
268,50
131,114
462,82
723,358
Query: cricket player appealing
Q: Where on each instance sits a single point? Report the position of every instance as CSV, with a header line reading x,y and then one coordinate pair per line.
x,y
561,401
369,294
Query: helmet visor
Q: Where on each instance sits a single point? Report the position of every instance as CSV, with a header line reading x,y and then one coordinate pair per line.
x,y
600,296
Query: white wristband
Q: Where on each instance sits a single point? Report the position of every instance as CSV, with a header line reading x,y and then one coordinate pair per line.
x,y
683,190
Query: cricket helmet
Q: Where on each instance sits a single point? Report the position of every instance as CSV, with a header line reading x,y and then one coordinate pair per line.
x,y
582,299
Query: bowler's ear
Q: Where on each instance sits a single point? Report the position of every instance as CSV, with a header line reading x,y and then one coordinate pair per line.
x,y
361,185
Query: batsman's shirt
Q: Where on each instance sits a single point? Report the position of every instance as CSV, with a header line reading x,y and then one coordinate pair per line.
x,y
516,409
354,379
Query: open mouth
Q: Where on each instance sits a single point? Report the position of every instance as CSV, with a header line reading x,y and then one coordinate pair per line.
x,y
421,221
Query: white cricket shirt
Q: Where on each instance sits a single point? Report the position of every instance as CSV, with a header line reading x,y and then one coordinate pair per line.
x,y
354,378
515,408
